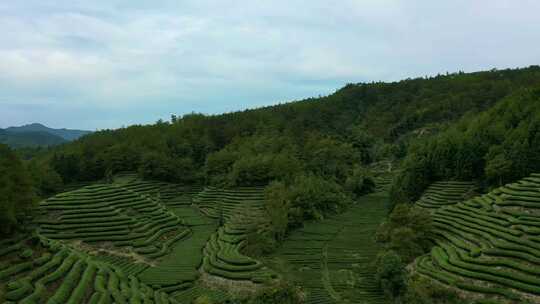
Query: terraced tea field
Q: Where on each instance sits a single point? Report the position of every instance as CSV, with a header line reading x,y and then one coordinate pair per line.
x,y
444,193
489,246
143,241
37,270
112,217
332,260
150,234
178,272
241,211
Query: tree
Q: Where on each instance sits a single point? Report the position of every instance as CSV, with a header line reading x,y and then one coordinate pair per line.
x,y
278,205
391,274
498,167
406,232
359,182
45,180
16,190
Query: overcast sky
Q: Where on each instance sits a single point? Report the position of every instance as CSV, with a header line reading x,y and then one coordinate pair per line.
x,y
109,63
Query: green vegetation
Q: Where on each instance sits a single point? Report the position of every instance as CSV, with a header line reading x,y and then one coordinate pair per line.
x,y
16,190
405,232
496,146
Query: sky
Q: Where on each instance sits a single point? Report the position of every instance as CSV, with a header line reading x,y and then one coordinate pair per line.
x,y
112,63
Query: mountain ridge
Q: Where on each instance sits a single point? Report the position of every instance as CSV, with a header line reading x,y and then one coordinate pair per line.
x,y
38,135
67,134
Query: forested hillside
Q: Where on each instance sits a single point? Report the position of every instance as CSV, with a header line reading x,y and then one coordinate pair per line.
x,y
376,119
494,147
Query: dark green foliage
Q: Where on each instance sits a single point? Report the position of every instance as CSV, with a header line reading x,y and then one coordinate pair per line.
x,y
364,142
158,166
46,181
358,123
406,231
305,197
391,274
278,207
421,290
309,197
16,190
359,182
254,160
282,293
499,145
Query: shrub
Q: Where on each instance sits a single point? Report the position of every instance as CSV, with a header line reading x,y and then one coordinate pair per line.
x,y
282,292
359,182
390,274
259,243
278,205
26,253
16,189
203,300
406,231
421,290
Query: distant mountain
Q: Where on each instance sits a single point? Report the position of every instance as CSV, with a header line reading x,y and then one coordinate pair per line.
x,y
29,139
66,134
38,135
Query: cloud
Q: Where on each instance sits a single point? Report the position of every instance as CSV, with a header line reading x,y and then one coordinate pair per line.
x,y
111,63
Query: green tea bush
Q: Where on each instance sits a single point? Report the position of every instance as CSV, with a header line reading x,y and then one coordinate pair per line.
x,y
26,253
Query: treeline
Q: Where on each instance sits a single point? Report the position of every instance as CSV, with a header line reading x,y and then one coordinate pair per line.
x,y
494,147
390,113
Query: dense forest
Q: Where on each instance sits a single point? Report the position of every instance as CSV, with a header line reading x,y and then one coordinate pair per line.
x,y
376,119
315,157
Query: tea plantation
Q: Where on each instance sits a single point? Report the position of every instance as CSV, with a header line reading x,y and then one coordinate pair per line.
x,y
489,246
241,211
138,241
35,270
113,217
333,259
444,193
